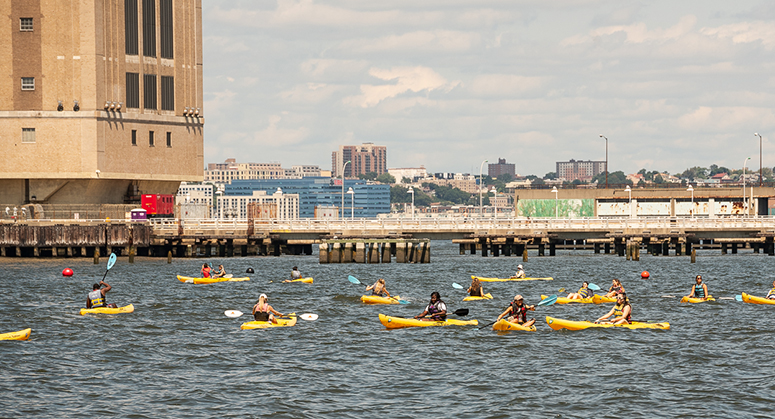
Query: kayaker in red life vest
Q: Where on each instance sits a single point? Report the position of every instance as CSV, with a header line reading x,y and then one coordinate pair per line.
x,y
436,309
622,311
97,297
517,312
263,312
476,289
378,288
699,290
771,294
206,271
616,288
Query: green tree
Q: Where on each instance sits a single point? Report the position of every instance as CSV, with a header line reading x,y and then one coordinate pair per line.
x,y
368,176
406,180
386,178
695,173
550,176
614,178
505,178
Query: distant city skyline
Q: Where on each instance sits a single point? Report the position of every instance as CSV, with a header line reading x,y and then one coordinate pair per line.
x,y
450,84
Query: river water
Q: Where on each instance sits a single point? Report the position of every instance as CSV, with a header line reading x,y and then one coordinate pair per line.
x,y
178,355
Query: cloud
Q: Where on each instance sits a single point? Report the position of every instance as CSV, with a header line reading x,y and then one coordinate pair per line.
x,y
494,85
636,33
728,119
440,40
744,33
277,137
404,79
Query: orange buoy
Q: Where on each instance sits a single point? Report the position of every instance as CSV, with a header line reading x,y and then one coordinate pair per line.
x,y
645,275
67,272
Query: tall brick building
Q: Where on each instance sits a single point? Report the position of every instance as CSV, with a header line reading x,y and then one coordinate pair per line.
x,y
364,158
102,99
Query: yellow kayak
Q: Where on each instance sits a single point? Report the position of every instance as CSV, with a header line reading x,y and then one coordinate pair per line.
x,y
697,300
487,296
375,299
290,321
747,298
108,310
566,300
391,322
20,335
558,324
302,280
503,325
191,280
510,279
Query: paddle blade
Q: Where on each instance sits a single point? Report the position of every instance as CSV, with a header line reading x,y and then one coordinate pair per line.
x,y
402,302
309,316
548,300
111,260
461,312
739,297
353,279
561,290
456,285
229,276
232,313
593,287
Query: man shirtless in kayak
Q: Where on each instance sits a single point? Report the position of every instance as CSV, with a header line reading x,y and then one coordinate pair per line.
x,y
97,297
517,312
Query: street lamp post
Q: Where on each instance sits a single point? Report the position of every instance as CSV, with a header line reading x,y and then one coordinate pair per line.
x,y
343,166
629,193
555,192
744,162
690,189
606,160
351,192
411,191
760,158
481,182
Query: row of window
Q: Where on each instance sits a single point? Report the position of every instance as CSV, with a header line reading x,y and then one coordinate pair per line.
x,y
149,91
131,27
28,137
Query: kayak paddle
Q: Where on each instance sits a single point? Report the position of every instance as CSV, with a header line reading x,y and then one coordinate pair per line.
x,y
458,286
739,297
354,280
545,302
593,287
232,313
309,316
561,290
111,262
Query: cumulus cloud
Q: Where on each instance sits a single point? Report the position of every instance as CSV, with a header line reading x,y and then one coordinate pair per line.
x,y
745,32
403,80
441,40
636,33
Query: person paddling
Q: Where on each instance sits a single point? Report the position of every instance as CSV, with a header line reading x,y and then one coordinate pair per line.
x,y
476,289
584,292
219,273
622,311
295,273
771,294
263,312
206,270
436,309
520,272
378,289
517,312
616,288
699,290
97,297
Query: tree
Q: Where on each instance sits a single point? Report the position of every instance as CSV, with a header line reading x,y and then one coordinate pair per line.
x,y
614,178
642,172
368,176
538,181
694,173
386,178
550,176
406,180
505,177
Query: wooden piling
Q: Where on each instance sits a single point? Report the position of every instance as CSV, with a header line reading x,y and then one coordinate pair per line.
x,y
401,252
524,253
386,252
96,257
131,255
323,253
373,252
694,256
360,252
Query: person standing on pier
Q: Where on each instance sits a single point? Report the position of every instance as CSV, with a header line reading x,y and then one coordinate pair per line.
x,y
378,288
520,272
699,290
517,312
206,270
97,297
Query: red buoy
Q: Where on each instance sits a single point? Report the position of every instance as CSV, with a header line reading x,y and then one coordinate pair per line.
x,y
67,272
645,275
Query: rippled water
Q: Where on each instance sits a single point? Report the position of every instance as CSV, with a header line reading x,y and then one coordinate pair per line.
x,y
177,354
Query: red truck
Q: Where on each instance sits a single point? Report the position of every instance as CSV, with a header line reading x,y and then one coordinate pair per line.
x,y
158,205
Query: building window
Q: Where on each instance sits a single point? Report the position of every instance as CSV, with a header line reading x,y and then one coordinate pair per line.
x,y
167,93
169,139
133,90
28,83
165,28
149,28
149,91
28,135
130,26
150,138
25,24
134,137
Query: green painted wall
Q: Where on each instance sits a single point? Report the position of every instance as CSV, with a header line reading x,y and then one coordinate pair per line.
x,y
566,208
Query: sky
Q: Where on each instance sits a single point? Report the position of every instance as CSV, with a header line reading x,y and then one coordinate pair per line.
x,y
447,84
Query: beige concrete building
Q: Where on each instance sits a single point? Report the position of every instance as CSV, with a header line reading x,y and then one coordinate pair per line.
x,y
102,99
